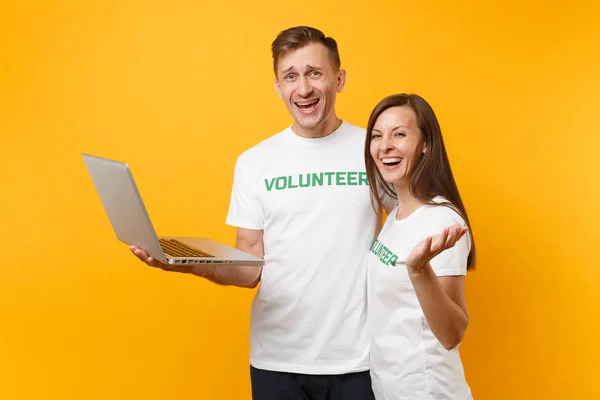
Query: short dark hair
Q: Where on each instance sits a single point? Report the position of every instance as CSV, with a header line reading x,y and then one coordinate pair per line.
x,y
299,36
432,175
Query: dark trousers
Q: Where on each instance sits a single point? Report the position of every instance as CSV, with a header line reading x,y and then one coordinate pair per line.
x,y
271,385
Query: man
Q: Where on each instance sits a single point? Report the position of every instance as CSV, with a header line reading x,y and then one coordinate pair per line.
x,y
300,199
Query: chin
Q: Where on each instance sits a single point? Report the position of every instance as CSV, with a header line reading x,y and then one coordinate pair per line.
x,y
391,180
307,123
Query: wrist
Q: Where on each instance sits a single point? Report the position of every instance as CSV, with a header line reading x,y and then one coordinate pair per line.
x,y
205,271
418,271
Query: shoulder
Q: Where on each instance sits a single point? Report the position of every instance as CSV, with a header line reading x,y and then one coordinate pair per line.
x,y
258,152
349,136
441,215
353,131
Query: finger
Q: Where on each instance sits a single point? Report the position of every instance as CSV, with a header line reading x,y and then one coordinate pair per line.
x,y
460,232
158,264
136,250
423,252
457,233
141,255
454,236
427,243
454,229
440,238
449,241
439,242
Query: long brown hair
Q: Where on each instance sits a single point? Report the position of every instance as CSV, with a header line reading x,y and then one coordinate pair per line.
x,y
432,176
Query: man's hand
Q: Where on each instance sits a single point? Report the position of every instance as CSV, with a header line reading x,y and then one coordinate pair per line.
x,y
425,251
189,269
142,255
248,240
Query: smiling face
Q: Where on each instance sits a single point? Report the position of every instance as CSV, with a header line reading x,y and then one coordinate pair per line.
x,y
397,145
308,82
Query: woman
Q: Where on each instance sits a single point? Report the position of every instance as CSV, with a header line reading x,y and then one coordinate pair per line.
x,y
417,266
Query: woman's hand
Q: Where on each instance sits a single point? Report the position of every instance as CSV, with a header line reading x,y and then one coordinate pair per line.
x,y
422,254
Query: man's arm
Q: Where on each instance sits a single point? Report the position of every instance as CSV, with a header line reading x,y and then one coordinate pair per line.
x,y
248,240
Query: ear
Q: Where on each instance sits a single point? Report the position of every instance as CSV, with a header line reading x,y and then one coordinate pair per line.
x,y
425,148
341,80
277,88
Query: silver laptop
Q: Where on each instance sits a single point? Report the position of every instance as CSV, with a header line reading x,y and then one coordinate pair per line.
x,y
131,223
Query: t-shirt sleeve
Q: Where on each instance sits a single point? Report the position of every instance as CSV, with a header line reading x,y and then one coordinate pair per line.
x,y
452,261
245,210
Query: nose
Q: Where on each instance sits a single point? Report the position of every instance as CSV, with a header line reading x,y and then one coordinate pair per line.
x,y
386,143
304,88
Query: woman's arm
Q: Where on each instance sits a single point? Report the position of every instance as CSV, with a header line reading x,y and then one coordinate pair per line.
x,y
442,299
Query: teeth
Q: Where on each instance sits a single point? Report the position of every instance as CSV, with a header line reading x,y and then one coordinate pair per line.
x,y
391,160
307,104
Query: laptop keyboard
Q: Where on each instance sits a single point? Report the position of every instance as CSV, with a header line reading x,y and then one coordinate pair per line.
x,y
175,248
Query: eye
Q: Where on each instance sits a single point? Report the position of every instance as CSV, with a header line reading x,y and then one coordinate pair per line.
x,y
315,73
400,134
375,136
289,76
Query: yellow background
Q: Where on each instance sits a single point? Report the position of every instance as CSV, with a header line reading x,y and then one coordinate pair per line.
x,y
178,89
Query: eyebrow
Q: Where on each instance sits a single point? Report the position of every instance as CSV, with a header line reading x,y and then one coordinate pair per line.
x,y
285,71
293,67
393,129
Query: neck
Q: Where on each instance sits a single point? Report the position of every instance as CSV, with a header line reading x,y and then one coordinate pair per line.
x,y
325,128
407,203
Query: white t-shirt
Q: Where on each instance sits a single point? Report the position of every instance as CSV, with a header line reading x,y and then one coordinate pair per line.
x,y
407,360
311,198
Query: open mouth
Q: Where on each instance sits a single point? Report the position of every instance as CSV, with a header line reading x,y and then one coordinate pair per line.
x,y
391,162
307,106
